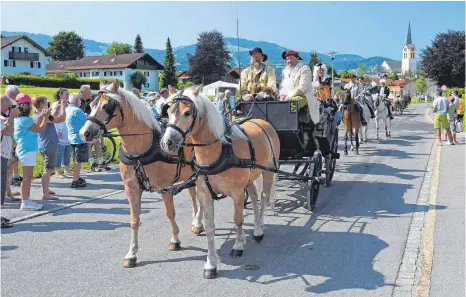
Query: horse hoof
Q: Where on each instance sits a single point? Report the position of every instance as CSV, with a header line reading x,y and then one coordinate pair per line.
x,y
258,239
210,273
346,153
197,230
174,246
236,253
129,263
357,152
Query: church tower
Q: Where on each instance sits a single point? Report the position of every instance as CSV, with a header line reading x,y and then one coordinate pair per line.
x,y
408,63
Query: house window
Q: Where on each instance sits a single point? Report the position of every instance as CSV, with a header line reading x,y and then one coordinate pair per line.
x,y
147,85
35,64
146,73
121,72
95,73
13,49
115,73
9,63
26,50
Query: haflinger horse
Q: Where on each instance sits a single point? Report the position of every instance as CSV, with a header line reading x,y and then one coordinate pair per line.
x,y
194,121
140,136
351,121
381,113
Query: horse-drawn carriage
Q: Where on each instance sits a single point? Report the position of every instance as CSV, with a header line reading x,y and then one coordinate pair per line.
x,y
314,147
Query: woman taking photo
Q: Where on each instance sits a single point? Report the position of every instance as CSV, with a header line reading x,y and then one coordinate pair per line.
x,y
25,134
48,142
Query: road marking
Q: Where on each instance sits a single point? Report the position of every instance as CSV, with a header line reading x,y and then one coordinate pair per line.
x,y
425,273
41,213
429,116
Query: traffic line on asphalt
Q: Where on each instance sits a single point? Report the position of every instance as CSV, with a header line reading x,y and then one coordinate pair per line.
x,y
41,213
427,255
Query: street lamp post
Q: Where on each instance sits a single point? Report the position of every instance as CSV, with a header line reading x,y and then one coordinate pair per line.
x,y
332,54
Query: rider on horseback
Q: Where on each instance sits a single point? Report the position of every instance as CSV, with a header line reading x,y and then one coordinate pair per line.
x,y
363,97
356,91
384,93
258,80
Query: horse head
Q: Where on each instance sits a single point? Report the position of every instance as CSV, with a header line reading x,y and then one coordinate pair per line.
x,y
111,109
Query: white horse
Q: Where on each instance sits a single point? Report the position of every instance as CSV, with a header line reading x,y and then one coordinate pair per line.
x,y
366,114
381,113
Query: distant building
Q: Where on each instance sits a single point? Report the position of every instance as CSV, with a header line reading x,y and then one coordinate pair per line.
x,y
21,54
113,66
409,55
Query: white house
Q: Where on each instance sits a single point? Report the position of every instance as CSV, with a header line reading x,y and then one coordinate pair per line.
x,y
113,66
21,54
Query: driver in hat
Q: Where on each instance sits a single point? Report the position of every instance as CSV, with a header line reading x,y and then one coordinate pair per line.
x,y
296,85
258,80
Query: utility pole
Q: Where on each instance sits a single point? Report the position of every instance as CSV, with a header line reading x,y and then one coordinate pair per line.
x,y
332,54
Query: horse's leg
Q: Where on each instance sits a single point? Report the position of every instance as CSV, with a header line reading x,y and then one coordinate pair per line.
x,y
170,213
134,199
267,195
205,199
357,142
346,143
377,126
238,217
389,126
252,191
196,225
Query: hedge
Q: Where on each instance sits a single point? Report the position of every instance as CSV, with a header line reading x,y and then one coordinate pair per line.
x,y
50,81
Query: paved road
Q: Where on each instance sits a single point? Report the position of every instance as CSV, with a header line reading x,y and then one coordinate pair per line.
x,y
351,246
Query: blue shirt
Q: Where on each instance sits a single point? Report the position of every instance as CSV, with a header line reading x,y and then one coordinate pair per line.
x,y
26,140
441,105
48,136
154,111
75,119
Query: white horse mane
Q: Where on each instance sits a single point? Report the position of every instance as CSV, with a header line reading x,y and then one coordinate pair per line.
x,y
137,106
215,120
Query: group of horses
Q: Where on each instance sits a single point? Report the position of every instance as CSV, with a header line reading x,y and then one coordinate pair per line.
x,y
352,120
194,124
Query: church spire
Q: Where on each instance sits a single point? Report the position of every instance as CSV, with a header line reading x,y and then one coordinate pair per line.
x,y
409,40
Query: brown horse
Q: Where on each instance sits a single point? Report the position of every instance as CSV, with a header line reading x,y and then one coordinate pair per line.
x,y
193,118
140,134
351,122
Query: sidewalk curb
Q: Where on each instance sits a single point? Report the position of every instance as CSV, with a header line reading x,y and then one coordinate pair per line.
x,y
41,213
406,279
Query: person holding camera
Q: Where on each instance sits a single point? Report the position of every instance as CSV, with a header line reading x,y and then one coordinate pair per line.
x,y
64,147
11,91
48,142
9,113
27,146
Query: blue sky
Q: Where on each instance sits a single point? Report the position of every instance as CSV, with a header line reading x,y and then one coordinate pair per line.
x,y
364,28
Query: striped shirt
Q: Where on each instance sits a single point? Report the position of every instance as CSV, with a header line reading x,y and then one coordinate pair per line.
x,y
7,141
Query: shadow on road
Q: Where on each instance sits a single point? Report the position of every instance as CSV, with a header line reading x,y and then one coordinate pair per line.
x,y
55,226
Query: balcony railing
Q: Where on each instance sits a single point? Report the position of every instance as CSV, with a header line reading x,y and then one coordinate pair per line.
x,y
24,56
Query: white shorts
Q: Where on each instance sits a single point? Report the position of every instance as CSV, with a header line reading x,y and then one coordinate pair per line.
x,y
28,159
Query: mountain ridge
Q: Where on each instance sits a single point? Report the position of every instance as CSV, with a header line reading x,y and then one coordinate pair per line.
x,y
273,51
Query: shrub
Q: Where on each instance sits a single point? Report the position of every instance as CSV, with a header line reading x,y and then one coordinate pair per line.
x,y
50,81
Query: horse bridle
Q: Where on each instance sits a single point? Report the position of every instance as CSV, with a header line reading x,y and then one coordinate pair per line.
x,y
176,100
109,108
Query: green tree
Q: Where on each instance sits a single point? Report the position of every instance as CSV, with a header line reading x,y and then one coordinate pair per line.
x,y
211,60
344,73
330,70
66,46
361,70
168,76
138,48
118,48
313,60
138,79
421,85
393,76
444,61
